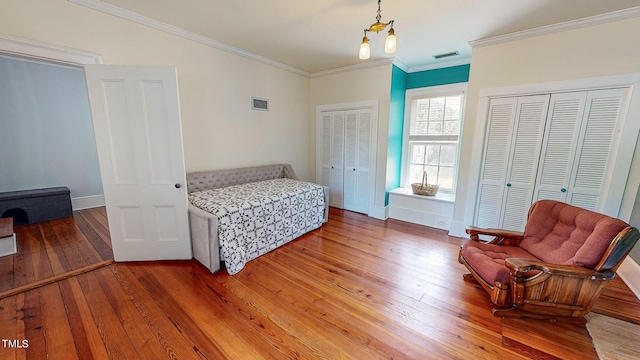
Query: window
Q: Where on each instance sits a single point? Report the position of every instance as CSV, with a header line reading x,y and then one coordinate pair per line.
x,y
434,116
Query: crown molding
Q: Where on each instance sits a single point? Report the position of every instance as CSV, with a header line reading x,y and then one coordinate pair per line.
x,y
560,27
174,30
441,65
39,51
365,65
402,66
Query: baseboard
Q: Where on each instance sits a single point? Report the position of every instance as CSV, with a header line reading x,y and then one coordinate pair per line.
x,y
629,272
380,212
87,202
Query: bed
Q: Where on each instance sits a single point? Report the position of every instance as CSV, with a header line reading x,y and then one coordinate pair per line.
x,y
236,215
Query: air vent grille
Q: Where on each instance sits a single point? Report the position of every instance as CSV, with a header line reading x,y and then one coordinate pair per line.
x,y
440,56
259,104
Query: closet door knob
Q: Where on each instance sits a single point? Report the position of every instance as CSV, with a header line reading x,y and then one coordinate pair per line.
x,y
563,190
177,185
508,184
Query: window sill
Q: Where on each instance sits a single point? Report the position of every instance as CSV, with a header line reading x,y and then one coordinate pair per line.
x,y
440,196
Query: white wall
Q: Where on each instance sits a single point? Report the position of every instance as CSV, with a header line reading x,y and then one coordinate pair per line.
x,y
46,134
601,50
360,85
219,128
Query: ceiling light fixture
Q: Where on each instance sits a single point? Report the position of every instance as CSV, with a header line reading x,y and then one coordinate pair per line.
x,y
390,42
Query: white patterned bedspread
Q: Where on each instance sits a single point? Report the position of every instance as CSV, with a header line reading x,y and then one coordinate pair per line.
x,y
258,217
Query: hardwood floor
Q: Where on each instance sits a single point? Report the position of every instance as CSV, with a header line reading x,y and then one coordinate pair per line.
x,y
357,288
53,248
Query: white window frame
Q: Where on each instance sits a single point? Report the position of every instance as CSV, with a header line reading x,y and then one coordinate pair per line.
x,y
432,91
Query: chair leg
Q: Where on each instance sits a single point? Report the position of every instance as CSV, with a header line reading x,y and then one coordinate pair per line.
x,y
516,313
469,277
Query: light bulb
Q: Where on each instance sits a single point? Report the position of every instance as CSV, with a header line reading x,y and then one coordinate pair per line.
x,y
390,42
365,50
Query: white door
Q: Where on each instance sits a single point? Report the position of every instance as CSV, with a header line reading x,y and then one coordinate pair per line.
x,y
363,160
559,145
597,147
336,193
516,127
531,115
350,158
495,161
136,119
357,160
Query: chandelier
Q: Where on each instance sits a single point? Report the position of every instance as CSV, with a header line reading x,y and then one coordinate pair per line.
x,y
389,43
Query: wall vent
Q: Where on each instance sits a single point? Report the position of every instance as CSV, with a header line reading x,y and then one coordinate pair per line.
x,y
259,104
440,56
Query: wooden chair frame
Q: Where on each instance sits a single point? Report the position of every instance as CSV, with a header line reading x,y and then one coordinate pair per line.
x,y
557,292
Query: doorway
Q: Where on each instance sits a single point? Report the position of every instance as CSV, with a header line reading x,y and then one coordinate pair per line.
x,y
48,141
134,110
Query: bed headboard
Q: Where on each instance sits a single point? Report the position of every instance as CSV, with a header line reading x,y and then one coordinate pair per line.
x,y
205,180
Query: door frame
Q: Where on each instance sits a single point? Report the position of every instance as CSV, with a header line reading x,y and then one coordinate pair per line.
x,y
373,104
48,53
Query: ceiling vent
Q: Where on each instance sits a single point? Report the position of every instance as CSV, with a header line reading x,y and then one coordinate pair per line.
x,y
440,56
259,104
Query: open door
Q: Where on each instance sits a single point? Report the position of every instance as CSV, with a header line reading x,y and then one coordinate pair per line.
x,y
136,120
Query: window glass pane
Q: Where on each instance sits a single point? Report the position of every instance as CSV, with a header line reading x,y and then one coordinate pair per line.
x,y
448,155
420,128
417,154
445,177
420,117
435,128
432,174
422,109
451,127
436,109
452,108
415,174
433,154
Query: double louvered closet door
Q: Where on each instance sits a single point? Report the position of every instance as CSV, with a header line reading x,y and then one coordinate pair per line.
x,y
346,150
555,146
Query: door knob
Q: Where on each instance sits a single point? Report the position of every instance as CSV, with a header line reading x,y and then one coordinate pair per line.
x,y
177,185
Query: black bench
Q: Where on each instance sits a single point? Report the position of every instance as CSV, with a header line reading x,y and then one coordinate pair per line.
x,y
32,206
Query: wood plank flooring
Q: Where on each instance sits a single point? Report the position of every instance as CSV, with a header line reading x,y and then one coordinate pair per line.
x,y
52,248
357,288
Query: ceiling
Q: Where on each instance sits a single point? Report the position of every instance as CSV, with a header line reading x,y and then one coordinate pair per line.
x,y
316,36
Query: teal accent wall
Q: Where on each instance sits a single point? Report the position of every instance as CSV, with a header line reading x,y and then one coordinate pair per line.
x,y
396,124
444,76
400,82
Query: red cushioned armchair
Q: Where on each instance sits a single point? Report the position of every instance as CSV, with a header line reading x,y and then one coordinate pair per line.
x,y
556,269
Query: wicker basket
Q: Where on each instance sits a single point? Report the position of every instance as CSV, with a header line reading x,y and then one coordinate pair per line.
x,y
423,188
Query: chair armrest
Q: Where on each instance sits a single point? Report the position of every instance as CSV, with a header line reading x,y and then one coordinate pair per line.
x,y
519,267
501,237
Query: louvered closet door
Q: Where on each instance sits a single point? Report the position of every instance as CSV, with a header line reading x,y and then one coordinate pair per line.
x,y
531,116
350,154
326,148
363,160
596,148
356,160
337,159
559,146
494,161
